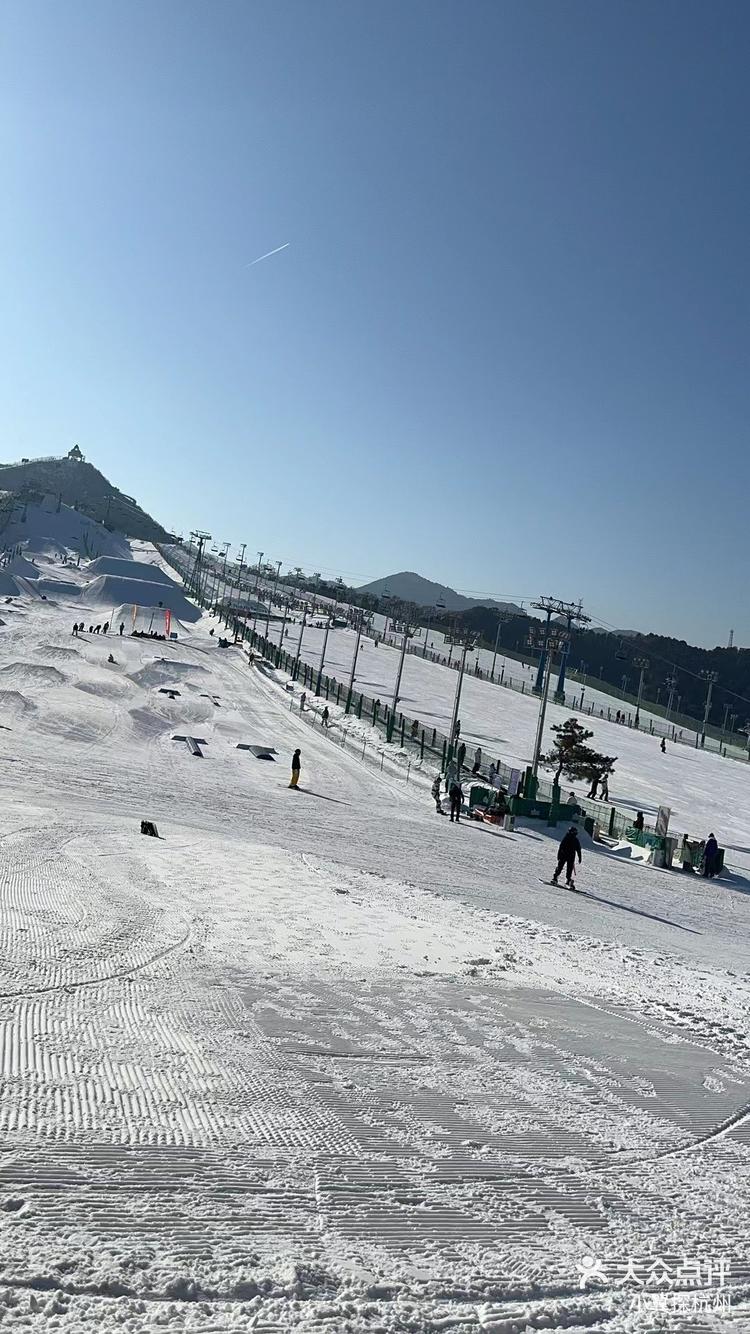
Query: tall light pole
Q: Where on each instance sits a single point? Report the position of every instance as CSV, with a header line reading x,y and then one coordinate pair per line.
x,y
299,642
352,678
239,585
397,687
201,539
257,576
468,643
323,655
276,580
223,578
711,678
642,664
502,617
671,684
438,607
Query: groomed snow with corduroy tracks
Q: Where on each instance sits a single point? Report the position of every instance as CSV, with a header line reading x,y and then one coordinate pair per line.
x,y
322,1061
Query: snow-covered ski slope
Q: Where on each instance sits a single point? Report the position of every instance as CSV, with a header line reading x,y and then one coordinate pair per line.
x,y
321,1060
704,790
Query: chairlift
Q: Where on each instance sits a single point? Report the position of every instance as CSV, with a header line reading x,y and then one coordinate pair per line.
x,y
621,653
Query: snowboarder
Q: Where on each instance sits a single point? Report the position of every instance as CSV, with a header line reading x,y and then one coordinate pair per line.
x,y
75,629
435,789
638,821
324,717
477,760
605,788
302,701
569,849
105,627
710,853
456,796
493,771
296,766
122,626
461,756
663,746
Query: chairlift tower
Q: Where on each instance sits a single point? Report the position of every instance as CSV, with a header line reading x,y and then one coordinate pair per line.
x,y
554,637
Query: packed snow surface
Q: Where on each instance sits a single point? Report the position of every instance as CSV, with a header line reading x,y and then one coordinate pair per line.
x,y
322,1060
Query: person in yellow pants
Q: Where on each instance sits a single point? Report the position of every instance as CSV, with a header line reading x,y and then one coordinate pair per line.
x,y
296,766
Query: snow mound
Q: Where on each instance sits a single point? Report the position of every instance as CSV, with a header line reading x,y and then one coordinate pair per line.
x,y
30,674
112,688
14,705
56,652
114,591
163,672
130,569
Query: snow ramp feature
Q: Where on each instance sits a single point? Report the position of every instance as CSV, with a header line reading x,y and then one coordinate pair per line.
x,y
110,590
130,569
164,672
19,565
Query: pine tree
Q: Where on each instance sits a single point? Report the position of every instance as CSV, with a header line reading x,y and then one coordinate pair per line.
x,y
569,755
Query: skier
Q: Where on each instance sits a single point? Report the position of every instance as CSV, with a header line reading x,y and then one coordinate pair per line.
x,y
325,716
457,796
302,699
296,766
122,626
477,760
435,789
709,856
605,788
663,746
569,849
105,627
75,629
493,771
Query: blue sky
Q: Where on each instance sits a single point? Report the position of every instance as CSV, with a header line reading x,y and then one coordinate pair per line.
x,y
508,343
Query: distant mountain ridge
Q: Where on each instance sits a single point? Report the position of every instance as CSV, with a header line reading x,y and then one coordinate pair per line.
x,y
412,587
81,485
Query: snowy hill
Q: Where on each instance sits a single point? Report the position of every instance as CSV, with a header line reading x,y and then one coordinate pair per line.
x,y
411,587
43,530
81,485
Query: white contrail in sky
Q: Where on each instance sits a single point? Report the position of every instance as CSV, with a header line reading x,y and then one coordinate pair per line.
x,y
268,254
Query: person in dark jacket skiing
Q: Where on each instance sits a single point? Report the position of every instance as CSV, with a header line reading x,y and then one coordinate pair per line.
x,y
569,849
456,796
296,766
